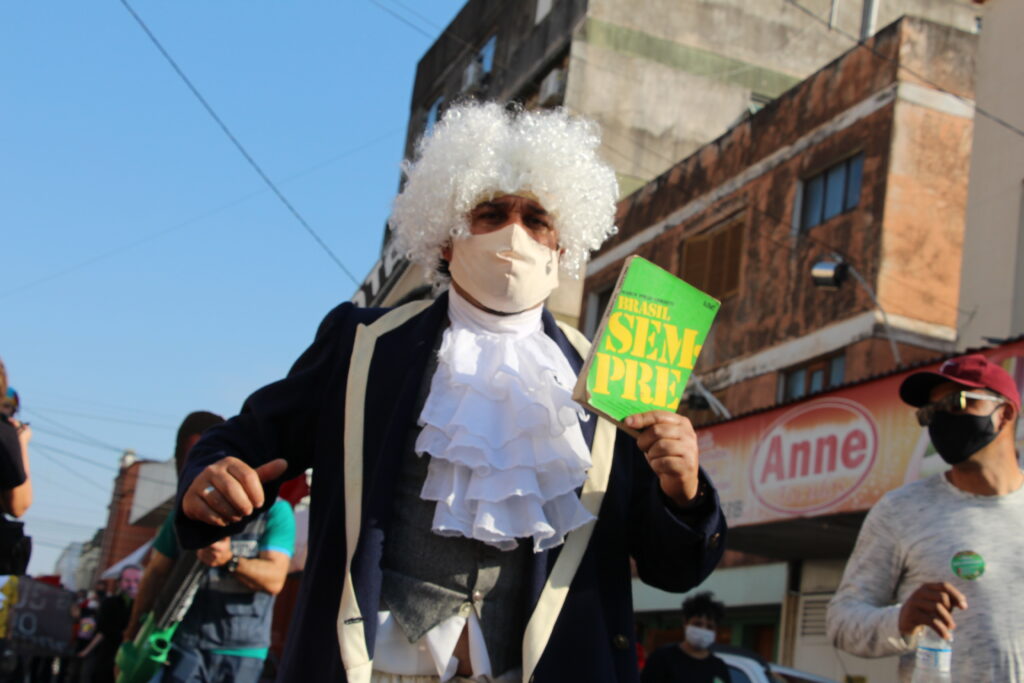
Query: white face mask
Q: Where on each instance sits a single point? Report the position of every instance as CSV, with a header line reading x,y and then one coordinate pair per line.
x,y
699,638
505,270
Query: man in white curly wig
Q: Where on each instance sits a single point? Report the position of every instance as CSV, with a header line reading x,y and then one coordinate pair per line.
x,y
469,521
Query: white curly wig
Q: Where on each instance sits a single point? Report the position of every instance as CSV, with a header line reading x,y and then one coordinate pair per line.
x,y
478,151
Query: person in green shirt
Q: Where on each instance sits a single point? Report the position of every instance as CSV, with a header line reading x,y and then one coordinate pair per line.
x,y
225,635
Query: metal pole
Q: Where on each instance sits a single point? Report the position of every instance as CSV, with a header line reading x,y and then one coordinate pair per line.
x,y
868,19
712,400
885,316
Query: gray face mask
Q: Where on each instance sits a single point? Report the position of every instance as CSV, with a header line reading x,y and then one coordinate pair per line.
x,y
699,638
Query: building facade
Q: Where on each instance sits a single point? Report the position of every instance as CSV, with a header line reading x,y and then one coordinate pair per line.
x,y
122,535
992,288
661,77
864,164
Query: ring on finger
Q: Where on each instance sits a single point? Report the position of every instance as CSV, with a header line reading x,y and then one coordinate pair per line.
x,y
209,489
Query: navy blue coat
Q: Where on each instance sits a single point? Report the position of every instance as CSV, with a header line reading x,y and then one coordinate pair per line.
x,y
344,410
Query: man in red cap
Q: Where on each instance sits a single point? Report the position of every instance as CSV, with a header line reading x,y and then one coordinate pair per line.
x,y
944,552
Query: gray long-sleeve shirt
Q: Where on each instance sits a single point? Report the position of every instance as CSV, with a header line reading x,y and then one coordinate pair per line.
x,y
932,531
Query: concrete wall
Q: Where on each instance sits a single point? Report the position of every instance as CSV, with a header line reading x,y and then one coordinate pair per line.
x,y
663,77
992,290
927,176
812,651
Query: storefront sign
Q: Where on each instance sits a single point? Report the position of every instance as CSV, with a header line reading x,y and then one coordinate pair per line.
x,y
838,452
813,456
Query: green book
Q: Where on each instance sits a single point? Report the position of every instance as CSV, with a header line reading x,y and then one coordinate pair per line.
x,y
647,344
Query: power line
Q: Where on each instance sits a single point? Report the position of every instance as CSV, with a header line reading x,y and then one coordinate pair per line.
x,y
104,418
75,456
238,145
114,251
78,475
62,522
74,439
402,19
93,403
90,439
114,468
862,42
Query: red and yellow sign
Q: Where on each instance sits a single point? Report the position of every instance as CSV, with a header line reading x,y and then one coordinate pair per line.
x,y
837,452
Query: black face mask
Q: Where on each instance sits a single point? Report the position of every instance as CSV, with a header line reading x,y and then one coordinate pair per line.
x,y
958,437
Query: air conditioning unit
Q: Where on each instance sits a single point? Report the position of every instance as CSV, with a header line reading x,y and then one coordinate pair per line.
x,y
473,76
552,88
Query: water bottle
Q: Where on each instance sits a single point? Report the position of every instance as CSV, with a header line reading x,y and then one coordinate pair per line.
x,y
933,660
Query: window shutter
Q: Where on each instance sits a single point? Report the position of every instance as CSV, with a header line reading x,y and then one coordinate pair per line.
x,y
695,261
733,259
717,266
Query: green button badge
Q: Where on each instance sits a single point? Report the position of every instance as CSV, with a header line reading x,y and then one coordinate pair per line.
x,y
968,564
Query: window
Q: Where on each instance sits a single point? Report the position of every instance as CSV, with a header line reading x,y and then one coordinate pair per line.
x,y
486,56
757,102
831,192
596,303
711,262
811,378
433,115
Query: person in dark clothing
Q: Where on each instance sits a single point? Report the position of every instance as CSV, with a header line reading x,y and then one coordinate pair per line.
x,y
467,517
111,621
15,482
691,660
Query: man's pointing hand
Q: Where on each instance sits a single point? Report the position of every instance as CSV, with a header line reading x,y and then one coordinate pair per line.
x,y
229,490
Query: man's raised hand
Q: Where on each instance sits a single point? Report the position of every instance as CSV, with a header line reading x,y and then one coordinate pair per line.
x,y
670,445
229,490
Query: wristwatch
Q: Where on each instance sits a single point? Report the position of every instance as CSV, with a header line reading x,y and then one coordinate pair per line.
x,y
232,564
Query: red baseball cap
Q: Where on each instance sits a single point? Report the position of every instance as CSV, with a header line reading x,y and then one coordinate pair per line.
x,y
973,371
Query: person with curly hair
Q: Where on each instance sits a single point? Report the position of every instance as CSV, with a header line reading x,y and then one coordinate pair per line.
x,y
468,520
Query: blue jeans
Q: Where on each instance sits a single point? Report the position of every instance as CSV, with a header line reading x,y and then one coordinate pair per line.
x,y
204,666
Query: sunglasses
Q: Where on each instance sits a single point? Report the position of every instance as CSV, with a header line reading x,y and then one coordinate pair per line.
x,y
957,402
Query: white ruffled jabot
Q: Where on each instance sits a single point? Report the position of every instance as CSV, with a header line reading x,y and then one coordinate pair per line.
x,y
503,431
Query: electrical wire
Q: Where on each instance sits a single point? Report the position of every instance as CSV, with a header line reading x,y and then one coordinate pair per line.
x,y
238,145
86,439
78,475
403,19
104,418
62,522
93,403
862,42
74,456
74,439
114,251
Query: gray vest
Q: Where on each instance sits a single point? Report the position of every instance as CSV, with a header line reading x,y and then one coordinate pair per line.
x,y
428,578
225,613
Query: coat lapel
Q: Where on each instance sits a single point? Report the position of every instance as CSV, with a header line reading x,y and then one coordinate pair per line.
x,y
351,635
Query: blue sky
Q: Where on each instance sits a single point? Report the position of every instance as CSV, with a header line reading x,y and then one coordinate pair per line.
x,y
147,270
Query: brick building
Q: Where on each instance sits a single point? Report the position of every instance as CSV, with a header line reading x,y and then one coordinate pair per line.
x,y
864,162
124,532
